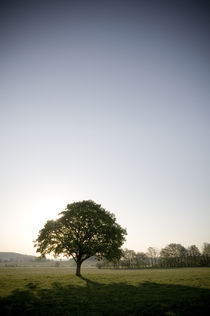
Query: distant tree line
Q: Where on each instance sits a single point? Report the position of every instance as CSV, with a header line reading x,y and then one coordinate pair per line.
x,y
172,256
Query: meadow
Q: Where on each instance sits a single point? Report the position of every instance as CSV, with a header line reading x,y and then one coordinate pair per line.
x,y
57,291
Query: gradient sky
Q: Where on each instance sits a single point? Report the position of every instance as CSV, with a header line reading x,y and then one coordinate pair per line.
x,y
109,101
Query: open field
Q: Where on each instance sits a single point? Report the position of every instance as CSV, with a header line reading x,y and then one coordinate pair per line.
x,y
57,291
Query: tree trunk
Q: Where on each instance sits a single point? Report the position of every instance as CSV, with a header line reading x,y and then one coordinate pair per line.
x,y
78,269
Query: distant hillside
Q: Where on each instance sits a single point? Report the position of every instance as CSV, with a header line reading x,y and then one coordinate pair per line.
x,y
18,258
14,256
90,262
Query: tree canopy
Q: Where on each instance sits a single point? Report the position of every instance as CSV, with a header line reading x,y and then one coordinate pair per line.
x,y
83,230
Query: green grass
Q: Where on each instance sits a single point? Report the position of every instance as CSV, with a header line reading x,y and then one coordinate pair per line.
x,y
57,291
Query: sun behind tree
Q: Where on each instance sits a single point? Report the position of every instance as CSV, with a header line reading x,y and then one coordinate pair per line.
x,y
85,229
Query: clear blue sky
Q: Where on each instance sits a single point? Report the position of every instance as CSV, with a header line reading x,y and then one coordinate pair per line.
x,y
106,101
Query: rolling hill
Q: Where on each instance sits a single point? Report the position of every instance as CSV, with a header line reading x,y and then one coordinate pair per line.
x,y
16,257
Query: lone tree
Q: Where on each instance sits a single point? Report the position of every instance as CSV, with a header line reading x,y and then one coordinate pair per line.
x,y
84,229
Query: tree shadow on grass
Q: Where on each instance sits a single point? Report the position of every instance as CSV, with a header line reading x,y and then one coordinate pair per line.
x,y
107,299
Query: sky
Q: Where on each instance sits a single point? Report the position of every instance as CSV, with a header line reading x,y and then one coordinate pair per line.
x,y
108,101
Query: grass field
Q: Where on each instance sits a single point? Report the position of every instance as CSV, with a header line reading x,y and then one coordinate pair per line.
x,y
57,291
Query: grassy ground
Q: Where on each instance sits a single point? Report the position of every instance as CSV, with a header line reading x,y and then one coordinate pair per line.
x,y
57,291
